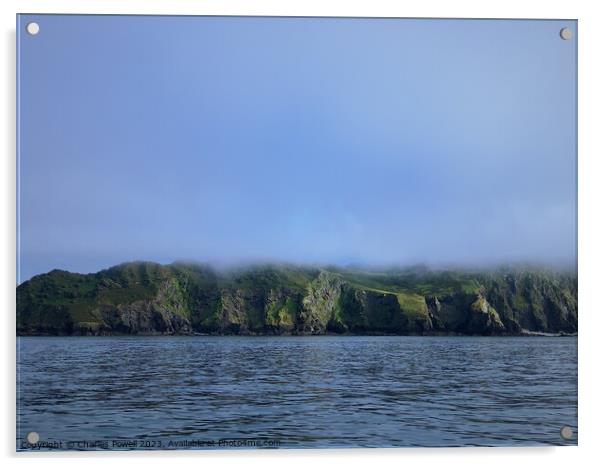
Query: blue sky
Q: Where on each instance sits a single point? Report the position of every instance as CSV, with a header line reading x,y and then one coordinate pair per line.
x,y
374,142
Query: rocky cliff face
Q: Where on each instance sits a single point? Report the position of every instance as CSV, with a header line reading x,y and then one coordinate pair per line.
x,y
468,313
151,299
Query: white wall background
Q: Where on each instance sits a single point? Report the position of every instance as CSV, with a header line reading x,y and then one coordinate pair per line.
x,y
590,225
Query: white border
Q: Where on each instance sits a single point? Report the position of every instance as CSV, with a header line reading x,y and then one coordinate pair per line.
x,y
590,231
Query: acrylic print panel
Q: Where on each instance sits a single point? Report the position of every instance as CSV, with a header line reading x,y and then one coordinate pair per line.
x,y
263,232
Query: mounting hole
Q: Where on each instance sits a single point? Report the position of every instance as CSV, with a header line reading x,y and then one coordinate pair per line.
x,y
566,433
32,28
33,437
566,33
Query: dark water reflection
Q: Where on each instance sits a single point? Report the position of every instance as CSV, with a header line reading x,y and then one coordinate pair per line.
x,y
299,391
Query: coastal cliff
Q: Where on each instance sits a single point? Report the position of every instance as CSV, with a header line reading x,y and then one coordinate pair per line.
x,y
144,298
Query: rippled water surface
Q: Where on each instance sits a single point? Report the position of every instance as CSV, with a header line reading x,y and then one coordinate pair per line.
x,y
297,392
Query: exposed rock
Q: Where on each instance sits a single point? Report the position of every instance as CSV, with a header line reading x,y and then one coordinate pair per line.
x,y
319,304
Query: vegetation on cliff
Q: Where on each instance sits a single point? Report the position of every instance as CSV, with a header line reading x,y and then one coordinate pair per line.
x,y
186,298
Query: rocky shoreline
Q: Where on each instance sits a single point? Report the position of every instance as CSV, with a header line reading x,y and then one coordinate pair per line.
x,y
144,298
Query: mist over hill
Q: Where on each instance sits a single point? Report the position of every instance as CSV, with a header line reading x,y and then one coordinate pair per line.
x,y
146,298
